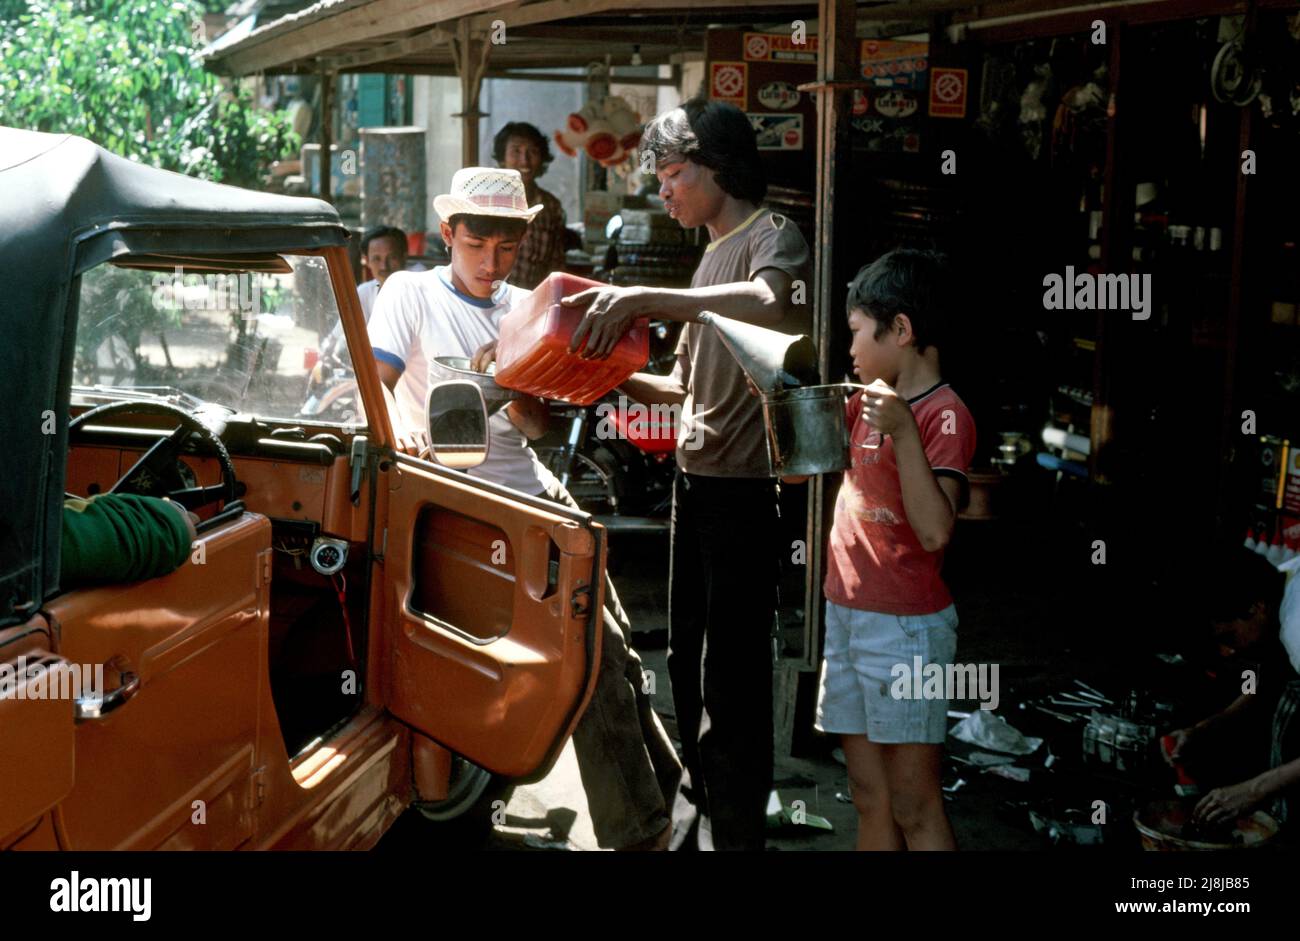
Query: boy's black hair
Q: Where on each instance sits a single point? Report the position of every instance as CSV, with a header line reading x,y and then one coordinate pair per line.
x,y
1236,578
904,281
383,232
486,227
528,132
713,134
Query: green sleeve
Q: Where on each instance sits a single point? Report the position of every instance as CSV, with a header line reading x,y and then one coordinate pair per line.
x,y
120,538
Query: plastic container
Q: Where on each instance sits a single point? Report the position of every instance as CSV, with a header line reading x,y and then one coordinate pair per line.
x,y
533,352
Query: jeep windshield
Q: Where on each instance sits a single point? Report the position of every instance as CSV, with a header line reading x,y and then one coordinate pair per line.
x,y
248,338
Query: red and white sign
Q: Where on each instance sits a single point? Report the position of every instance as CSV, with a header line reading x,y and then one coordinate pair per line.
x,y
861,103
728,81
779,47
948,89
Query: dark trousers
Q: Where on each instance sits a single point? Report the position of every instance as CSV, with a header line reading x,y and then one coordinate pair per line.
x,y
628,767
722,603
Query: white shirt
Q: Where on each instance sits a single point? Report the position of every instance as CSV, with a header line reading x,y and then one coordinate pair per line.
x,y
424,308
411,390
368,292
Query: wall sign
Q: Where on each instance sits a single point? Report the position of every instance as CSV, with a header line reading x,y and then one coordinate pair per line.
x,y
896,103
729,81
779,47
891,64
779,96
777,131
948,89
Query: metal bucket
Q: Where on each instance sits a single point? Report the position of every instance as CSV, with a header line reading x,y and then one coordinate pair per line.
x,y
806,433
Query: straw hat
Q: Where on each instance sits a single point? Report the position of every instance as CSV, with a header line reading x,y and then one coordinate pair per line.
x,y
486,191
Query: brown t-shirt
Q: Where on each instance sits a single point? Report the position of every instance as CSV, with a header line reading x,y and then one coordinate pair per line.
x,y
722,430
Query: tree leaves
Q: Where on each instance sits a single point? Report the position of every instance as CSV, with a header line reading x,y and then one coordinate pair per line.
x,y
124,73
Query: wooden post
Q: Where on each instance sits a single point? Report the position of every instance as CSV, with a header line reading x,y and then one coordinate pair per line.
x,y
837,71
1240,271
1117,257
470,57
326,135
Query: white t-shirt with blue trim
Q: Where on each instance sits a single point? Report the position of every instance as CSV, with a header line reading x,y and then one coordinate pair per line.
x,y
424,310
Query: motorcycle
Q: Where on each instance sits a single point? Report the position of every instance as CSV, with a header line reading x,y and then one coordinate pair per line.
x,y
332,393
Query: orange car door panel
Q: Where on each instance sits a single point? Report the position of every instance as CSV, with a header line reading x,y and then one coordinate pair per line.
x,y
491,616
173,765
36,728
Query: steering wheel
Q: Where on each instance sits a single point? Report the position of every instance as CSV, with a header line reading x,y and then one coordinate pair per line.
x,y
157,474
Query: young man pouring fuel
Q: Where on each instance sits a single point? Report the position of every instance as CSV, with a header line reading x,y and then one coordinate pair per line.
x,y
725,556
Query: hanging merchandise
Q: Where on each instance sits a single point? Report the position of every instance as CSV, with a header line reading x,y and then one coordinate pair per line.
x,y
1033,113
607,131
1279,53
1081,116
998,96
1233,79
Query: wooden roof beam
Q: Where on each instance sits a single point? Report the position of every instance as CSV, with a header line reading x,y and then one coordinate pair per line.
x,y
548,11
276,44
412,45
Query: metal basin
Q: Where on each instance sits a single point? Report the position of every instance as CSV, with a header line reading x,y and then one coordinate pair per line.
x,y
442,368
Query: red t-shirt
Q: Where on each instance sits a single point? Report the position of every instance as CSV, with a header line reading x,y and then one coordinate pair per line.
x,y
875,562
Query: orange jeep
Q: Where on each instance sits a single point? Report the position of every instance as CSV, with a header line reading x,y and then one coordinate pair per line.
x,y
356,631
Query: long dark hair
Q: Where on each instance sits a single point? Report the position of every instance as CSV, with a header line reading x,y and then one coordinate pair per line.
x,y
715,135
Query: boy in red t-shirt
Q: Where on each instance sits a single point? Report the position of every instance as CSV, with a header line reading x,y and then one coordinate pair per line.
x,y
886,604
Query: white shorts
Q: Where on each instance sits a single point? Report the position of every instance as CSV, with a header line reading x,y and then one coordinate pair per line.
x,y
860,692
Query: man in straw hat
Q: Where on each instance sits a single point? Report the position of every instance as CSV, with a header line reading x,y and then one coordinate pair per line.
x,y
628,766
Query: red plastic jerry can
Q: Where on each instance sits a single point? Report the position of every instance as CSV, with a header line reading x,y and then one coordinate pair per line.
x,y
533,351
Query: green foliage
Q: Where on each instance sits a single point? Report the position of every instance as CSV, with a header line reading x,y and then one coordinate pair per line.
x,y
116,302
124,73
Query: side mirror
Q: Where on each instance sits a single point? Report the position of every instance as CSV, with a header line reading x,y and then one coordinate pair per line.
x,y
458,424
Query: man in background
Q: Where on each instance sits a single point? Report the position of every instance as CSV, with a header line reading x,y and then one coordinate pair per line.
x,y
521,146
383,251
1249,604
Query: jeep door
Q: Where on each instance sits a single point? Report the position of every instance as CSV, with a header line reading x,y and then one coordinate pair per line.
x,y
491,615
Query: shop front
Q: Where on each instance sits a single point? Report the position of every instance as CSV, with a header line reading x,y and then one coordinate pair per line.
x,y
1113,185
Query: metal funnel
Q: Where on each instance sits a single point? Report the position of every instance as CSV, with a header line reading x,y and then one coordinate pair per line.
x,y
773,360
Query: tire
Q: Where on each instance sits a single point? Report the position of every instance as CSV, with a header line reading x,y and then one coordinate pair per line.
x,y
465,815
